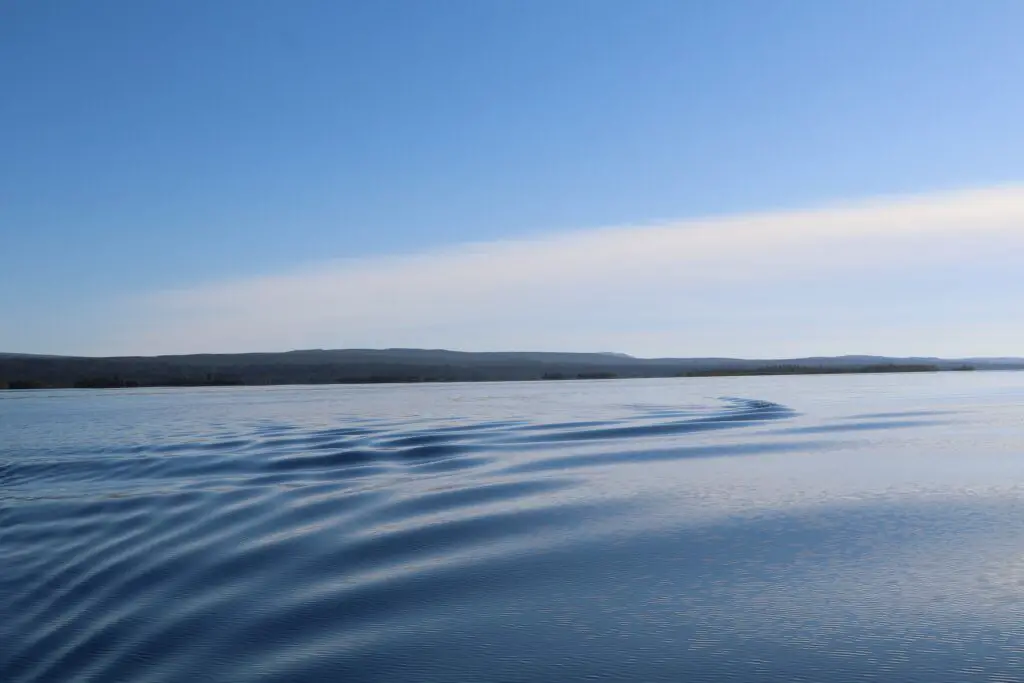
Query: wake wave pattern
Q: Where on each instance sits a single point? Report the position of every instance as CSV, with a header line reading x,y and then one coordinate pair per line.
x,y
217,536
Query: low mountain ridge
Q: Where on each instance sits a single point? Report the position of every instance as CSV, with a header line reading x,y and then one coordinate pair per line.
x,y
328,366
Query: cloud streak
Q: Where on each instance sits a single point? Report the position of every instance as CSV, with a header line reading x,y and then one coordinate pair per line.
x,y
733,284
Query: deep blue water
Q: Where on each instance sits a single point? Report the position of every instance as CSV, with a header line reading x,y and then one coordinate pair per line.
x,y
825,528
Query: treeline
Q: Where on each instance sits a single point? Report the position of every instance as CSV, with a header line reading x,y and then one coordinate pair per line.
x,y
815,370
579,375
390,366
116,383
269,375
119,383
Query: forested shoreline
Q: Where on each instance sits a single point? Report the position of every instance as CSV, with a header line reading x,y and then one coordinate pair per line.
x,y
409,366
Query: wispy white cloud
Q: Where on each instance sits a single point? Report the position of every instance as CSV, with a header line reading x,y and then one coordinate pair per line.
x,y
759,284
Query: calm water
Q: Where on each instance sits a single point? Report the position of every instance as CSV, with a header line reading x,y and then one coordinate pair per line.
x,y
830,528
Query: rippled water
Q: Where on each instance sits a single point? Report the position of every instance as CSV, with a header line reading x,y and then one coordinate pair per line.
x,y
830,528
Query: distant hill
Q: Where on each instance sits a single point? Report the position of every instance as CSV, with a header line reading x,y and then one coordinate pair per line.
x,y
325,366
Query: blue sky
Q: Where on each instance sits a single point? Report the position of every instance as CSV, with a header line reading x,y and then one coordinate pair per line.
x,y
159,154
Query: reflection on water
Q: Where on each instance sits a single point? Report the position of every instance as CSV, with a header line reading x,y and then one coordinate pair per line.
x,y
721,529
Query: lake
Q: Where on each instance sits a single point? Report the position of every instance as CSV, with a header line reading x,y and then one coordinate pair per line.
x,y
754,529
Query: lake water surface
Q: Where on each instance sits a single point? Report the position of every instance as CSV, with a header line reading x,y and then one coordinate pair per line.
x,y
816,528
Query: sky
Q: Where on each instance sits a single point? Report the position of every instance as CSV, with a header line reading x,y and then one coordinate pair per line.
x,y
660,178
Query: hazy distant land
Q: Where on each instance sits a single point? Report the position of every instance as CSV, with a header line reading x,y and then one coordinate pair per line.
x,y
359,366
